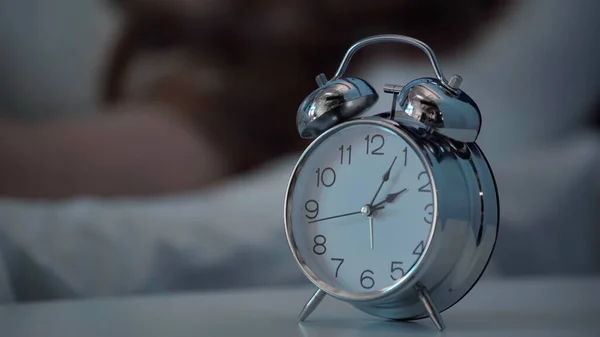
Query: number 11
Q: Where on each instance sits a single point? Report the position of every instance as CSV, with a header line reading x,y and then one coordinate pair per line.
x,y
349,149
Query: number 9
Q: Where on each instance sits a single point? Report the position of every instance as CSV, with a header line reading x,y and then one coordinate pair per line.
x,y
312,209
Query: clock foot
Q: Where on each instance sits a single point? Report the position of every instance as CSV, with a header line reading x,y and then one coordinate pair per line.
x,y
312,304
434,314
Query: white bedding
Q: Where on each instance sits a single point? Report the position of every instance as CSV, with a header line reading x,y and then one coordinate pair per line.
x,y
225,237
232,236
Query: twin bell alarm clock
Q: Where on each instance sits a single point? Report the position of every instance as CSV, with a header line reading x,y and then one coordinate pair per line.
x,y
395,213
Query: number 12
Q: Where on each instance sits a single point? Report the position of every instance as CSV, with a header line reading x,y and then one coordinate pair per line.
x,y
377,139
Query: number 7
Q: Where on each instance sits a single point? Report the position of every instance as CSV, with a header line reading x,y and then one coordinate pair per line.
x,y
339,265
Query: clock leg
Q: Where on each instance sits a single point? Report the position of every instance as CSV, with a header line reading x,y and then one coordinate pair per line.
x,y
312,304
434,314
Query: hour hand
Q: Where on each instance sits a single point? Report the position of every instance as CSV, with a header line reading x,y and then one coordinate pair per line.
x,y
390,198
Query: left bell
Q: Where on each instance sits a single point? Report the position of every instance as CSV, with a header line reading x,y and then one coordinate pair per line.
x,y
333,103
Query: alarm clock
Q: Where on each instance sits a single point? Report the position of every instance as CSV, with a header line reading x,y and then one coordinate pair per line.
x,y
395,213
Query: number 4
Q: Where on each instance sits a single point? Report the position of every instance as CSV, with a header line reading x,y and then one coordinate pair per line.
x,y
420,248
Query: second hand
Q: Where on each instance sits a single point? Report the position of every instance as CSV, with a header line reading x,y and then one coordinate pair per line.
x,y
343,215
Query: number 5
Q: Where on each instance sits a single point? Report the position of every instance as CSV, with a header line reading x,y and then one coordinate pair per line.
x,y
396,267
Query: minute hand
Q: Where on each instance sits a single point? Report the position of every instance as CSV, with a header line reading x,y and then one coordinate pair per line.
x,y
384,178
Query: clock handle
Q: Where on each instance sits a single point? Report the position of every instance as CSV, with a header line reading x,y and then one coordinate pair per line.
x,y
437,103
451,85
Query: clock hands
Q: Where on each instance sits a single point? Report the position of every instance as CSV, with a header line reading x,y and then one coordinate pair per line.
x,y
334,217
390,198
343,215
384,178
368,210
371,231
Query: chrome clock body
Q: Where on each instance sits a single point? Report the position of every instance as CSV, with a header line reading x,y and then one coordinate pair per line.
x,y
440,123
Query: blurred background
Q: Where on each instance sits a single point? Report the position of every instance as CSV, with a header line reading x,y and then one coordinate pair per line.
x,y
145,145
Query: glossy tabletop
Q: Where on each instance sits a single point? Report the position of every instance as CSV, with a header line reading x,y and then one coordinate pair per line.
x,y
520,307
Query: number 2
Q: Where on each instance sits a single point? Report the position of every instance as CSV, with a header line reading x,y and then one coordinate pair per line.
x,y
427,186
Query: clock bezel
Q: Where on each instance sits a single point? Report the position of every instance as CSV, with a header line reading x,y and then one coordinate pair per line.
x,y
418,268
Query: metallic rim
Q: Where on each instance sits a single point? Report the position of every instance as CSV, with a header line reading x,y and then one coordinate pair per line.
x,y
414,270
491,253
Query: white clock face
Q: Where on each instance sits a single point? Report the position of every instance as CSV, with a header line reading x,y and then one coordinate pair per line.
x,y
360,209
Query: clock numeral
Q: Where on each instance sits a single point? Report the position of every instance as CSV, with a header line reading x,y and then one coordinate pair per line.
x,y
377,142
319,247
312,206
325,177
429,221
396,266
405,155
339,265
349,150
420,248
367,282
427,186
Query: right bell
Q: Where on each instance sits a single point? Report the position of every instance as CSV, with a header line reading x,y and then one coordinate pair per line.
x,y
447,110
